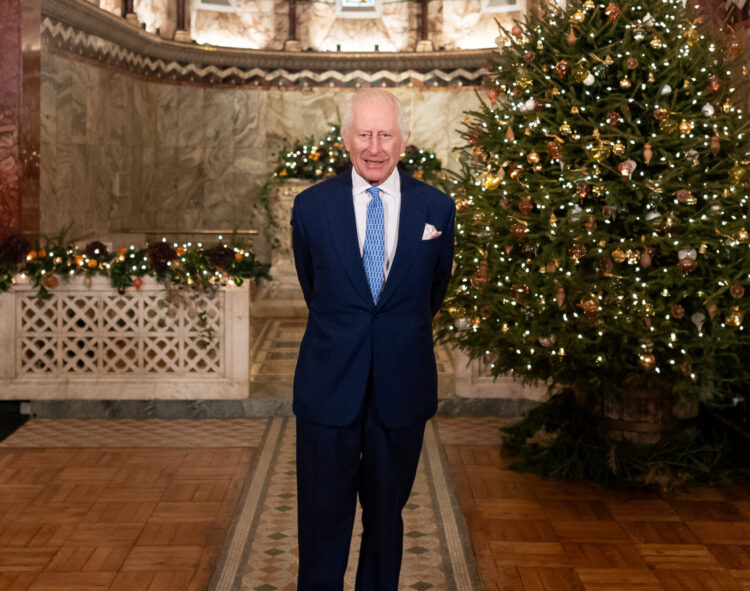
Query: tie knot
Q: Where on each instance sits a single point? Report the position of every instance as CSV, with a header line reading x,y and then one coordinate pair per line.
x,y
374,191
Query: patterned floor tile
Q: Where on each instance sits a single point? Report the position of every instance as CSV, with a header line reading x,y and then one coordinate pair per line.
x,y
271,562
181,433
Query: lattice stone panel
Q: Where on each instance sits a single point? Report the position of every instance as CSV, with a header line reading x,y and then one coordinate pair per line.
x,y
135,333
93,333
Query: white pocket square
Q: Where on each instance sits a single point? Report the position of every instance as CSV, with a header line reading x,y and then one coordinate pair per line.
x,y
430,232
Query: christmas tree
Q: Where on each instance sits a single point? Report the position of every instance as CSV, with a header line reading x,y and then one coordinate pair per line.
x,y
602,228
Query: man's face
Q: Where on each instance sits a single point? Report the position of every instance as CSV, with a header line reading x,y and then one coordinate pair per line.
x,y
374,140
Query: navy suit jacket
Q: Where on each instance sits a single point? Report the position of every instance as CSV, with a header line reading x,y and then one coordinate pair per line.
x,y
347,335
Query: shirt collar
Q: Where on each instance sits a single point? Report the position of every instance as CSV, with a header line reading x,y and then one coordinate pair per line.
x,y
390,186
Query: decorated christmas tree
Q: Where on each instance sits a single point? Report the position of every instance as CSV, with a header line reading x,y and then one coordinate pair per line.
x,y
602,229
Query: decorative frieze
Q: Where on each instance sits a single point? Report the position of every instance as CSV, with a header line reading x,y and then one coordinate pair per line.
x,y
81,29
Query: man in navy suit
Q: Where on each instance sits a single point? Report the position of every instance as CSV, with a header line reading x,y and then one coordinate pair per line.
x,y
373,249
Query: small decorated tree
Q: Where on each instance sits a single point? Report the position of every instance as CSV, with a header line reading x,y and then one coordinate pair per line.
x,y
602,233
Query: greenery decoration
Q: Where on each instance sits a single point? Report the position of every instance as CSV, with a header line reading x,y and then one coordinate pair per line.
x,y
602,230
324,157
320,158
192,266
602,227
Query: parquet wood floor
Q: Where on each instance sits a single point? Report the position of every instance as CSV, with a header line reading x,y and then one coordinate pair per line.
x,y
534,534
116,519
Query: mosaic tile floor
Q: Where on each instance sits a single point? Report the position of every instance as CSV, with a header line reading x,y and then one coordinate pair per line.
x,y
273,357
133,433
435,553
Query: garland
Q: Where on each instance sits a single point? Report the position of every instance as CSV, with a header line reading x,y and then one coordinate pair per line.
x,y
317,159
325,157
197,267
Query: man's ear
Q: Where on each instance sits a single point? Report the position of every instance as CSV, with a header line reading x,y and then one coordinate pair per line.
x,y
346,141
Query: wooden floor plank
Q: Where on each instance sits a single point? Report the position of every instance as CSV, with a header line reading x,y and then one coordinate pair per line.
x,y
531,533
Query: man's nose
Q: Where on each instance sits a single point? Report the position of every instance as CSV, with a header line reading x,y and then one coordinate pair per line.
x,y
374,143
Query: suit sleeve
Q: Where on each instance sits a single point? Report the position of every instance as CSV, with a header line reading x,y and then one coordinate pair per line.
x,y
444,265
302,258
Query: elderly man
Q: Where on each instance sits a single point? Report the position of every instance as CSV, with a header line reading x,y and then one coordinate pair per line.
x,y
373,249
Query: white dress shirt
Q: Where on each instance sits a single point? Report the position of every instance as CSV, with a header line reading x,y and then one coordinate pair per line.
x,y
390,195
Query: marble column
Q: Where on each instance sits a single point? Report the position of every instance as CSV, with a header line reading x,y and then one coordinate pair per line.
x,y
423,43
292,43
20,51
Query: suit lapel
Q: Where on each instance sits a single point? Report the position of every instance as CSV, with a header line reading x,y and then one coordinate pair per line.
x,y
410,228
343,228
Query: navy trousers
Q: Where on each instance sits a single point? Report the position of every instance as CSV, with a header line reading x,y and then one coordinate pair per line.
x,y
334,466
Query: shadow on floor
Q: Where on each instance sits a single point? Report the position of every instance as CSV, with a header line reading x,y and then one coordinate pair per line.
x,y
10,418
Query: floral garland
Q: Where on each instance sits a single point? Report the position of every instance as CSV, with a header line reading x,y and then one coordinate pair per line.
x,y
196,267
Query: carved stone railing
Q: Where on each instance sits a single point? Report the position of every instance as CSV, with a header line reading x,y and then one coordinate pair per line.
x,y
90,342
474,380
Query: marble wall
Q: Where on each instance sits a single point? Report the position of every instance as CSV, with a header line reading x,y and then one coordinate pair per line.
x,y
122,153
263,24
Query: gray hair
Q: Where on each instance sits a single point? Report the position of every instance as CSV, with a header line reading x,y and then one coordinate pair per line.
x,y
373,94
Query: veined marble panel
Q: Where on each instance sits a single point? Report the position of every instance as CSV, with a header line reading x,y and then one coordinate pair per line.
x,y
191,157
256,24
314,21
466,15
152,13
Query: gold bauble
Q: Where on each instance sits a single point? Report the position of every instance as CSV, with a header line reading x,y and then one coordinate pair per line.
x,y
657,43
574,110
647,360
625,83
692,37
589,5
600,152
533,157
579,73
619,256
524,80
618,149
735,317
668,125
727,106
686,127
668,222
565,128
743,235
491,182
738,173
651,77
577,17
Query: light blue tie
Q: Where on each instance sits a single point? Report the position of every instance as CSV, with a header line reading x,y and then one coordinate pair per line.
x,y
374,252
